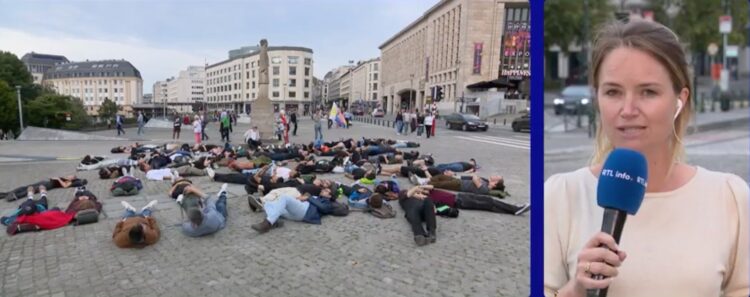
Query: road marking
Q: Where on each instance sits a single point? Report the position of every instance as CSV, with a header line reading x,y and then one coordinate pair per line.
x,y
499,141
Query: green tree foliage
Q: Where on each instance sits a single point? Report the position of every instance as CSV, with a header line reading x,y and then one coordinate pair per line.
x,y
697,21
108,110
564,21
8,108
52,111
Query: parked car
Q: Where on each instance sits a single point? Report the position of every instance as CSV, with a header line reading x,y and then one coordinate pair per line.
x,y
465,122
573,99
378,113
358,111
521,123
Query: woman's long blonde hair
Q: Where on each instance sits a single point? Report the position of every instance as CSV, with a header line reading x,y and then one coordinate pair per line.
x,y
663,45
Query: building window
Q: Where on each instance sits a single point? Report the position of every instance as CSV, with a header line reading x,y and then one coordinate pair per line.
x,y
253,73
292,70
276,70
275,82
292,94
307,95
293,59
247,65
375,86
247,75
292,82
247,85
253,85
374,96
308,61
276,60
375,66
374,76
307,71
275,95
307,83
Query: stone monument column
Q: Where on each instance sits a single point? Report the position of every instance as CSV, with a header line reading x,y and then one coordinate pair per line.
x,y
261,112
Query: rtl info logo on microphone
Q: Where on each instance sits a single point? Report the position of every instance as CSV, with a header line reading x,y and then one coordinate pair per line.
x,y
623,176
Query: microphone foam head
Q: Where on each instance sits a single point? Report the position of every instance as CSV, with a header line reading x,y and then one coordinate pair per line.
x,y
623,180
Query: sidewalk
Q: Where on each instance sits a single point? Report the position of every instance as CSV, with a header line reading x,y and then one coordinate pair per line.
x,y
568,142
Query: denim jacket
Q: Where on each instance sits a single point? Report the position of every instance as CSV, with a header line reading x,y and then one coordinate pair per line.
x,y
318,208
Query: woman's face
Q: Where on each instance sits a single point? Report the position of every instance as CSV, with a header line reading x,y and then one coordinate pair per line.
x,y
636,100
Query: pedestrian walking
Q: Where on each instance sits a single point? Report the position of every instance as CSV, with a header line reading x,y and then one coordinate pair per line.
x,y
429,120
293,118
118,124
177,126
204,123
140,123
317,118
399,121
198,129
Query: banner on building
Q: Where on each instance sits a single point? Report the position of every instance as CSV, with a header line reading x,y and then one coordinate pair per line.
x,y
478,57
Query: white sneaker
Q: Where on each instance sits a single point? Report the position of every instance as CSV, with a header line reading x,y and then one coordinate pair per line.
x,y
526,207
127,206
338,169
346,160
175,173
124,171
223,188
210,172
150,205
179,199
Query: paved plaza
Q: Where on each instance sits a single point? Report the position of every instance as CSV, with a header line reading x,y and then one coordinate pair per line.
x,y
477,254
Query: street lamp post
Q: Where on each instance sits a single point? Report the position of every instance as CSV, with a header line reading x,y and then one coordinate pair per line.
x,y
20,113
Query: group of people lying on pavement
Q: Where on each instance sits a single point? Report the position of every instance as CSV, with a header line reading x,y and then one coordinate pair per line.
x,y
283,182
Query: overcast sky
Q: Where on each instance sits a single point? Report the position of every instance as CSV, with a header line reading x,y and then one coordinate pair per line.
x,y
163,37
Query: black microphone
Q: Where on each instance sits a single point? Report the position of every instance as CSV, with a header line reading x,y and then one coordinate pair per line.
x,y
620,191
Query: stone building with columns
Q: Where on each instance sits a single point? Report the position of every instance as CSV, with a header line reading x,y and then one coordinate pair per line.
x,y
454,44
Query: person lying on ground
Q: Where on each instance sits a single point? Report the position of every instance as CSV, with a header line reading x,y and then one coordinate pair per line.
x,y
420,213
469,184
126,185
29,206
304,208
136,230
459,167
83,199
49,184
209,217
471,201
103,163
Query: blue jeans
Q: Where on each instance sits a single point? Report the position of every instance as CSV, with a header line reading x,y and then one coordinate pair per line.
x,y
455,167
140,129
285,206
129,213
221,205
349,168
399,126
318,131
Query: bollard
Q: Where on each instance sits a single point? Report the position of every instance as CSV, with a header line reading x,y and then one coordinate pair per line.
x,y
504,121
494,121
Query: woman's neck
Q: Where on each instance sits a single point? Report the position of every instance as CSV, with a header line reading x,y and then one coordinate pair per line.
x,y
660,171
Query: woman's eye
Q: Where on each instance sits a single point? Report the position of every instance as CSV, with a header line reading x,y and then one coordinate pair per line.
x,y
648,93
611,92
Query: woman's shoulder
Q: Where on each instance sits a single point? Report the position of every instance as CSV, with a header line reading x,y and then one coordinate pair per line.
x,y
577,176
737,187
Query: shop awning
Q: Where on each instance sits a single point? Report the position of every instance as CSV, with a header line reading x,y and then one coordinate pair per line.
x,y
497,83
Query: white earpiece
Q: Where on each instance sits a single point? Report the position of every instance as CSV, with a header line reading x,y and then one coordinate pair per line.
x,y
679,108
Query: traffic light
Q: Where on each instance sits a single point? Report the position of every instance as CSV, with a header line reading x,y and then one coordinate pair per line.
x,y
438,93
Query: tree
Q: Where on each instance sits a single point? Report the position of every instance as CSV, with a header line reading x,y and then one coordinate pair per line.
x,y
53,111
14,73
108,110
8,108
564,21
697,21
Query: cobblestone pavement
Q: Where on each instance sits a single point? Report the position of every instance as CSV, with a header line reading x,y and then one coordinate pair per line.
x,y
477,254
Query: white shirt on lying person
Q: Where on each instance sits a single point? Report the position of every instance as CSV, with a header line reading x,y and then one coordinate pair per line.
x,y
159,174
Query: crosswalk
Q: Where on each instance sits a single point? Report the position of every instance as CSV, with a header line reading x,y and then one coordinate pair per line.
x,y
518,142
